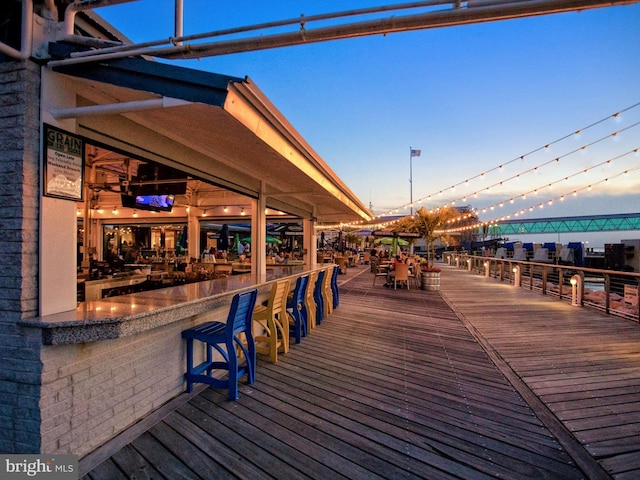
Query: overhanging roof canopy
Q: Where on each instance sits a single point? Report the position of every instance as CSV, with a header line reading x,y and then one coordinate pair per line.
x,y
227,132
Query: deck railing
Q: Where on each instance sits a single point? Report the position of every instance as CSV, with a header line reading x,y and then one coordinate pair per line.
x,y
613,292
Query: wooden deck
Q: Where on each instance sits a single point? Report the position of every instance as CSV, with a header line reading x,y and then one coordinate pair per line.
x,y
480,380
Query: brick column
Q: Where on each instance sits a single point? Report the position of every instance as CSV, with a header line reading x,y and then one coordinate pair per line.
x,y
20,375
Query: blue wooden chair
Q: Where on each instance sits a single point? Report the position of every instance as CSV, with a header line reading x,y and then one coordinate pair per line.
x,y
217,335
334,287
296,309
318,297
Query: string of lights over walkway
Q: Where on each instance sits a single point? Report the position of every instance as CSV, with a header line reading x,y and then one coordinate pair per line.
x,y
522,158
592,223
383,220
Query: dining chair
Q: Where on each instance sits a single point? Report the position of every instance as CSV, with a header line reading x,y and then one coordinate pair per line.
x,y
295,306
318,297
327,295
401,275
310,303
273,319
374,263
414,276
378,270
342,264
335,293
216,335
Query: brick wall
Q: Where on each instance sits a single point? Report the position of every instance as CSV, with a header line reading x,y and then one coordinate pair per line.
x,y
19,201
93,391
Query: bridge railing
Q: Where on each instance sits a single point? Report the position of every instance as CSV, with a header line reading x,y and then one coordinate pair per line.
x,y
613,292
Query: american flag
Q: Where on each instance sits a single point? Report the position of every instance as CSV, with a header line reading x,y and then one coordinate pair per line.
x,y
415,153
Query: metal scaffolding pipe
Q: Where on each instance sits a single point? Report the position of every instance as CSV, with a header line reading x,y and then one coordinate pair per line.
x,y
179,20
455,16
79,5
117,108
26,35
302,21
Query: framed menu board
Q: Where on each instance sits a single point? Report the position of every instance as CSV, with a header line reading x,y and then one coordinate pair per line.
x,y
63,164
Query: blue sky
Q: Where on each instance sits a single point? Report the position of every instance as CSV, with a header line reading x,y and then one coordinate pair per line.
x,y
469,97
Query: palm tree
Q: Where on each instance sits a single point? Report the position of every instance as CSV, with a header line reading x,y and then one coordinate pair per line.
x,y
429,225
351,238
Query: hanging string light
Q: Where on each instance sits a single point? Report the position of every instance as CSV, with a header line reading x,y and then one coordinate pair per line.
x,y
535,191
549,201
545,147
575,133
536,168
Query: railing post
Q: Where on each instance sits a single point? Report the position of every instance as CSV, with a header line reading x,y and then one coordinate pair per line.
x,y
576,290
607,292
516,275
560,282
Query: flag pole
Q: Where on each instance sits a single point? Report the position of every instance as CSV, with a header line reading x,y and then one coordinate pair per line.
x,y
412,153
411,179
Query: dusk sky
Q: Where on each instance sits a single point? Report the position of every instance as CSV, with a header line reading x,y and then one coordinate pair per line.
x,y
470,98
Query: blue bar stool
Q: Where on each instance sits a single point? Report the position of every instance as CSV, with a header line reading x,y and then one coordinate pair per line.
x,y
297,315
318,297
217,334
334,287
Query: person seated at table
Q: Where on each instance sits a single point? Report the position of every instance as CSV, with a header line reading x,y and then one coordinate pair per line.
x,y
279,258
133,255
391,273
374,260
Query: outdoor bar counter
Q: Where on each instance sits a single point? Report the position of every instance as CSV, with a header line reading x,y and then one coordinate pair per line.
x,y
111,362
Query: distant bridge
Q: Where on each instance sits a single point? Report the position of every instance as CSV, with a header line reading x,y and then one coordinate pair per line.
x,y
591,223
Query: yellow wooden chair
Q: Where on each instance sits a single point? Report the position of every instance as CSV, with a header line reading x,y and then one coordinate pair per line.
x,y
327,293
310,302
273,320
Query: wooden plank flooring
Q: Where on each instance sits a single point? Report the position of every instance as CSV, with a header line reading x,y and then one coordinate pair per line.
x,y
481,380
584,366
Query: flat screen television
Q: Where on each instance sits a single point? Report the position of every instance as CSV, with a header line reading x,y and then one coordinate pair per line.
x,y
158,203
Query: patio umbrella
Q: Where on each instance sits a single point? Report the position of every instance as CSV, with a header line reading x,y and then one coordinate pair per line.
x,y
269,239
184,238
390,240
223,242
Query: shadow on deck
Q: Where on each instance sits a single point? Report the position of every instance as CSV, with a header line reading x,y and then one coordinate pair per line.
x,y
480,380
